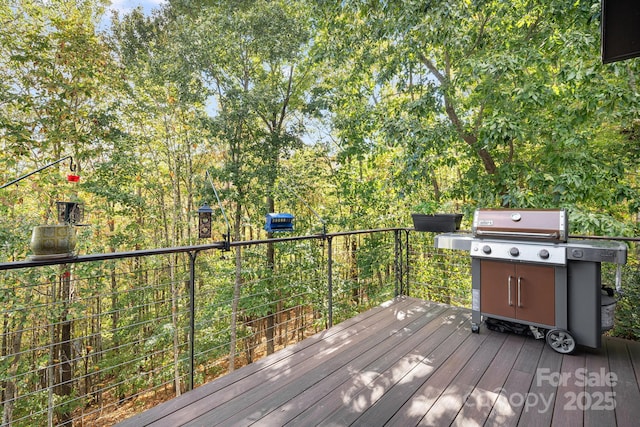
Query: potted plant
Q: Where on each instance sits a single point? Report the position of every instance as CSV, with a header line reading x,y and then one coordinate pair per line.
x,y
426,218
53,241
57,240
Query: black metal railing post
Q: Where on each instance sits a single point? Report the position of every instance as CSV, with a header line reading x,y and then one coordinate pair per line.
x,y
397,261
405,290
192,314
330,280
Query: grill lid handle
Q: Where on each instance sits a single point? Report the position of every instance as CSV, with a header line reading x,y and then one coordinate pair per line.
x,y
516,234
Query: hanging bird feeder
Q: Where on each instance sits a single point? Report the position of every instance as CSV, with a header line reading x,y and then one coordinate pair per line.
x,y
70,212
73,176
204,221
279,222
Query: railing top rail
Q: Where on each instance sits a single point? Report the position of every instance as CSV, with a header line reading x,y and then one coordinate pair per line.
x,y
621,239
181,249
221,245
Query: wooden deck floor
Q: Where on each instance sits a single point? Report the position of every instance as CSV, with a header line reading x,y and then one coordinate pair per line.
x,y
411,362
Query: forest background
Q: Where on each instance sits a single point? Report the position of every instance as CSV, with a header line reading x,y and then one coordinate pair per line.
x,y
367,110
363,111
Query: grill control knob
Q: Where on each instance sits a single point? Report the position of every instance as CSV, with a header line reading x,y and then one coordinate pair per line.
x,y
544,254
514,251
486,249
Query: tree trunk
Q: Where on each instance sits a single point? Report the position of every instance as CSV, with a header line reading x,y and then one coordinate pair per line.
x,y
10,390
353,271
174,319
237,286
470,138
64,387
270,319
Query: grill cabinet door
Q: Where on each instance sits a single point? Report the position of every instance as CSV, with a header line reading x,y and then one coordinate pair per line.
x,y
536,294
497,291
515,291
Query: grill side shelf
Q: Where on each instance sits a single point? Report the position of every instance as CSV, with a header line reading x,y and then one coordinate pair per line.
x,y
597,251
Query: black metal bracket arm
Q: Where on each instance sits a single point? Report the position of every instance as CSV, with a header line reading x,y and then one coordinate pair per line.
x,y
227,242
227,237
72,166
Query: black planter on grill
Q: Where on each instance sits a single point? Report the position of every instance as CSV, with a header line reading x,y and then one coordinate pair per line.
x,y
440,223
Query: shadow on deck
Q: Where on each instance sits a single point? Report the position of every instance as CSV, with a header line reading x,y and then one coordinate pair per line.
x,y
411,362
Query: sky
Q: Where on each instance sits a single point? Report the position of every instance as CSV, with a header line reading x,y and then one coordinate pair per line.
x,y
125,6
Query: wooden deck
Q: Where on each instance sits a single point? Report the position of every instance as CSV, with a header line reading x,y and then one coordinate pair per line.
x,y
411,362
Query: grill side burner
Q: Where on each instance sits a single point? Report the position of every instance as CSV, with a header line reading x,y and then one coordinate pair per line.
x,y
526,270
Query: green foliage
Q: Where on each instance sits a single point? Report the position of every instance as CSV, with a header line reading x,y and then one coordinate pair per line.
x,y
627,317
428,279
464,104
495,104
355,112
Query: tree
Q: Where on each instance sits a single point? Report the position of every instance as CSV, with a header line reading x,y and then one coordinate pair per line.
x,y
252,57
492,88
54,70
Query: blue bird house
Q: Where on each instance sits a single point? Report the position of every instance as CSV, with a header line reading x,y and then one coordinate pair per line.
x,y
277,222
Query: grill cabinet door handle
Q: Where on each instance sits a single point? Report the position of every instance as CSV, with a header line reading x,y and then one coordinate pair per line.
x,y
509,291
519,292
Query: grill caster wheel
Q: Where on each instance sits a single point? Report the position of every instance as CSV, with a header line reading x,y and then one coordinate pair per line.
x,y
475,328
561,341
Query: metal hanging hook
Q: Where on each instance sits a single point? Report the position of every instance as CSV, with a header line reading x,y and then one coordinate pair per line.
x,y
72,167
15,181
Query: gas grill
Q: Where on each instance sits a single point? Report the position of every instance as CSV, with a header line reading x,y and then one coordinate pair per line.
x,y
528,275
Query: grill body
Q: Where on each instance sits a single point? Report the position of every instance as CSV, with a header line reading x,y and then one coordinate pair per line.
x,y
527,271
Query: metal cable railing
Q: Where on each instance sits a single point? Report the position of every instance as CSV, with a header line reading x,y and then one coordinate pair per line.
x,y
94,339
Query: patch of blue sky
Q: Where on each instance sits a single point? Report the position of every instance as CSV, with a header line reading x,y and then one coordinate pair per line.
x,y
126,6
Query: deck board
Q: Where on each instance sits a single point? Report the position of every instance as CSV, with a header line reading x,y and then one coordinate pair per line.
x,y
634,354
307,404
540,414
563,412
410,362
511,397
400,380
598,361
483,397
314,370
215,393
627,394
423,397
332,400
454,397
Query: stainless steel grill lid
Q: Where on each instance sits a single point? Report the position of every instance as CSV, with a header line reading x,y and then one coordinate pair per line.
x,y
521,224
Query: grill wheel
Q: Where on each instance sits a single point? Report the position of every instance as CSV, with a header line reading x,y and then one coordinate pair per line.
x,y
561,341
